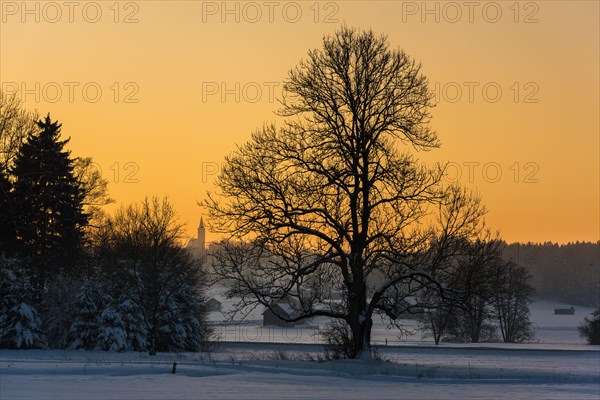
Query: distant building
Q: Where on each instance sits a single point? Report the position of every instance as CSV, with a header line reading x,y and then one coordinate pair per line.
x,y
564,311
213,304
197,246
282,310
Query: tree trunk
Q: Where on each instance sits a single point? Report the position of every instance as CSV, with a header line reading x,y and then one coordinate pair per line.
x,y
360,320
152,339
361,338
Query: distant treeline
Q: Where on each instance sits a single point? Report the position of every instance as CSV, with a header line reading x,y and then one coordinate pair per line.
x,y
569,273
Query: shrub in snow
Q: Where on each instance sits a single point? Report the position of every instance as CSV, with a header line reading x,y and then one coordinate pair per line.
x,y
58,309
177,326
489,333
112,335
192,310
85,330
168,332
590,328
95,320
20,324
21,328
338,339
133,325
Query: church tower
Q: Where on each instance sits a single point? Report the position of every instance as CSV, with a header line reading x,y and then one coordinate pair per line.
x,y
201,236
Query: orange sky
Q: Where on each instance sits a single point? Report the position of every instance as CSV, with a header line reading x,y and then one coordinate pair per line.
x,y
182,82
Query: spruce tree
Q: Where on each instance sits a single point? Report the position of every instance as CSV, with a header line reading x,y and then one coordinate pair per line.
x,y
85,329
112,335
7,221
48,199
133,322
20,323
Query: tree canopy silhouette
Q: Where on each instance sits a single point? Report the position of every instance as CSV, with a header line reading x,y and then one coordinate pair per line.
x,y
334,201
49,204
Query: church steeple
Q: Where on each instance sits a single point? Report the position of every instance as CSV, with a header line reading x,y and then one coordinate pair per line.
x,y
201,235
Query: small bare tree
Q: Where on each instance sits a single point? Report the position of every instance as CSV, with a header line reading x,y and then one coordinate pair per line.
x,y
437,320
334,200
469,274
474,279
511,297
94,188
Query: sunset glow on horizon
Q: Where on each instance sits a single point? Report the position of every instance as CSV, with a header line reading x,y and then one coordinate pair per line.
x,y
158,93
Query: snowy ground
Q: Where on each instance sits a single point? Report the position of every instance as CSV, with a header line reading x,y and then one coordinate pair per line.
x,y
258,372
551,330
254,363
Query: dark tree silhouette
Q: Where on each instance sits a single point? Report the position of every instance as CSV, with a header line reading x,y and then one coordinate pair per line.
x,y
49,205
511,297
569,272
471,277
7,221
16,124
139,250
94,188
474,279
590,328
20,324
334,201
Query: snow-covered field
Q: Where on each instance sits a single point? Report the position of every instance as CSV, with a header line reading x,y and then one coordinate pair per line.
x,y
239,373
560,366
551,330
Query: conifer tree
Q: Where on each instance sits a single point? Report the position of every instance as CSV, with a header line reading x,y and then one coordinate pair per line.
x,y
7,222
20,324
590,328
162,299
85,329
132,318
49,212
112,335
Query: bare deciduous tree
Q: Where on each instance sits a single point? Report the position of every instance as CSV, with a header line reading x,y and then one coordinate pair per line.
x,y
474,280
334,200
93,186
15,125
511,297
437,320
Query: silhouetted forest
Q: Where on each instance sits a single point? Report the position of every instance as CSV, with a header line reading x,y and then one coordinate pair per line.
x,y
569,272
